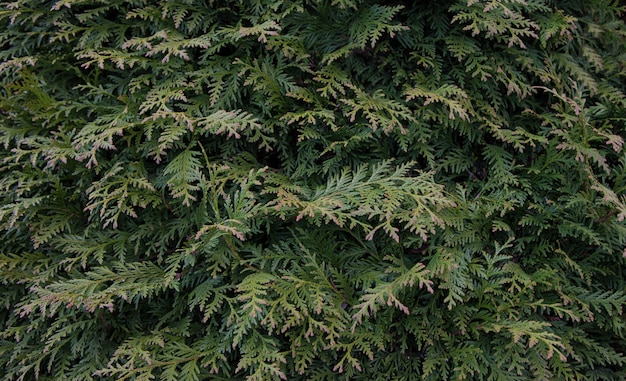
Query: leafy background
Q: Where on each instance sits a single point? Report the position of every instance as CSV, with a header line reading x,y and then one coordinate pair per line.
x,y
312,190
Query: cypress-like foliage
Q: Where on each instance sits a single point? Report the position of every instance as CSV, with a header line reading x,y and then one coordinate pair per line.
x,y
312,190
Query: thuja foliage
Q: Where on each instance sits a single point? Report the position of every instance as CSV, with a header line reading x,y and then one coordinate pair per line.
x,y
312,190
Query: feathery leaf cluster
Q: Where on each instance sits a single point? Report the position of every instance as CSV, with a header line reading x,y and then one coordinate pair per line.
x,y
312,190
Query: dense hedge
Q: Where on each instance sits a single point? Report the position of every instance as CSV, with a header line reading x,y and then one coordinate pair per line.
x,y
312,190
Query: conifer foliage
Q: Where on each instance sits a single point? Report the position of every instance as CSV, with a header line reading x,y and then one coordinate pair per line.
x,y
312,190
